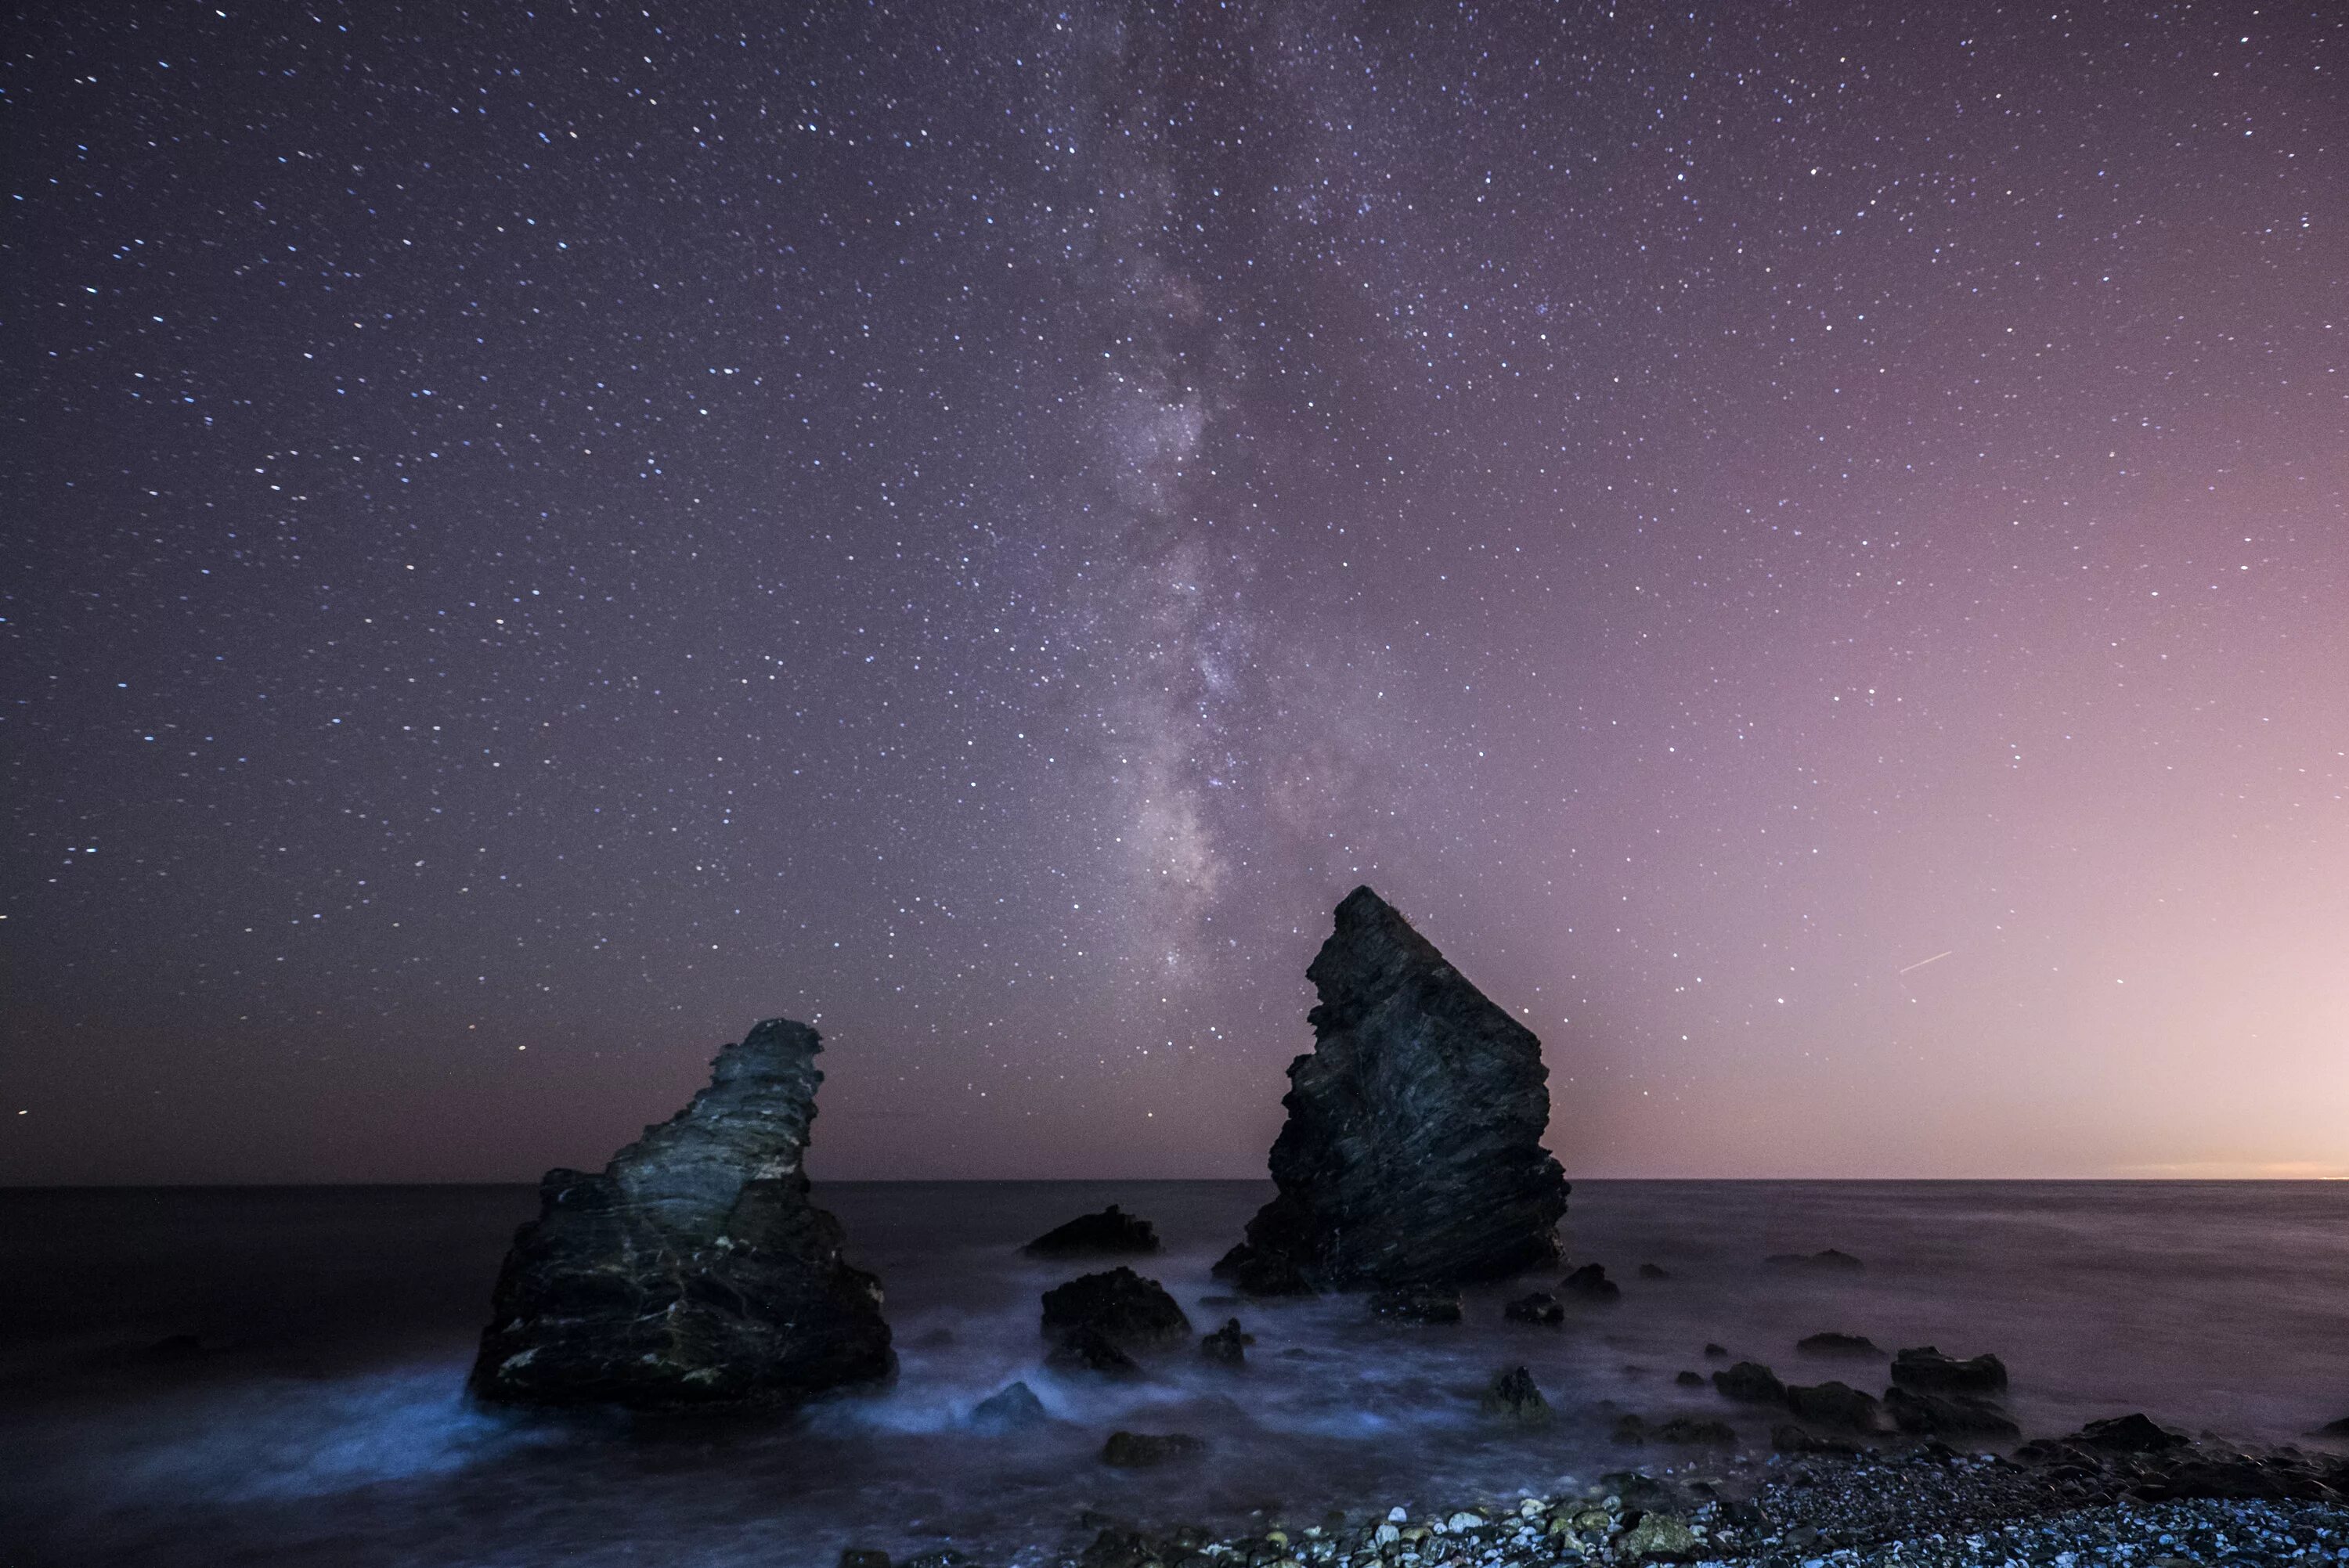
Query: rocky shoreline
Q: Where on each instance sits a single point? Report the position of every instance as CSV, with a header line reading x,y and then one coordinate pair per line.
x,y
2062,1504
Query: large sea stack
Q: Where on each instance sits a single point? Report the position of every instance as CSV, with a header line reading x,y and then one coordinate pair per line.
x,y
692,1272
1412,1151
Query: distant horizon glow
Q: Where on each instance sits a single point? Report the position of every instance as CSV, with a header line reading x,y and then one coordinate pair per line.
x,y
1808,552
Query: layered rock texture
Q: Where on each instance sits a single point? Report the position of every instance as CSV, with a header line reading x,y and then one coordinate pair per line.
x,y
692,1272
1413,1150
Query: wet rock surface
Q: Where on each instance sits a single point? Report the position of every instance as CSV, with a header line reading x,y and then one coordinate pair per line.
x,y
1227,1344
1116,1308
1835,1405
1425,1304
692,1272
1947,1415
1112,1232
1540,1308
1413,1150
1013,1408
1927,1369
1514,1396
1749,1383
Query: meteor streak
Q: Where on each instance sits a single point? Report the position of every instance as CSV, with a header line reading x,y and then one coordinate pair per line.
x,y
1935,959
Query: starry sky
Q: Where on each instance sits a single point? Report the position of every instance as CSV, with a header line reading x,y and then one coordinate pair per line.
x,y
1805,545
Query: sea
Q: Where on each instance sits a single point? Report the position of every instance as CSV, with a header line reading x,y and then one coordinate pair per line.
x,y
275,1375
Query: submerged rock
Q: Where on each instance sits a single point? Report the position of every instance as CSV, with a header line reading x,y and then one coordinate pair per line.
x,y
1140,1451
1514,1396
1956,1416
1227,1344
1010,1410
1833,1404
2339,1429
1828,1262
1589,1285
1427,1303
692,1271
1926,1368
1112,1232
1540,1308
1413,1150
1853,1345
1654,1271
1697,1429
1751,1383
2131,1434
1715,1352
1119,1306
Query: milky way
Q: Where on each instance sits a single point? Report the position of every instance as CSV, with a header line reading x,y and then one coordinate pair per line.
x,y
1806,546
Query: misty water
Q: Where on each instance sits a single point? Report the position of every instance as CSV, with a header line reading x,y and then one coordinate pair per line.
x,y
321,1418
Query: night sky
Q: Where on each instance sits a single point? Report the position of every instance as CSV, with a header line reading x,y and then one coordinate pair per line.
x,y
1806,546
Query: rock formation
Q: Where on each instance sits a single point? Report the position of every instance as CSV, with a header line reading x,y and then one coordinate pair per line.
x,y
1413,1150
692,1272
1112,1232
1096,1319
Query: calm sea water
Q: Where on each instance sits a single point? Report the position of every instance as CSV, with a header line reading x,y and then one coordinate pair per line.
x,y
322,1420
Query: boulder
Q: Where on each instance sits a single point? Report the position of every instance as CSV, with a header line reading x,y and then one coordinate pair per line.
x,y
1689,1379
1858,1346
1654,1271
1010,1410
1540,1308
1751,1383
1954,1415
1590,1286
1140,1450
2339,1429
1514,1396
692,1272
1112,1232
1413,1150
1227,1344
1832,1404
1131,1312
1417,1304
1715,1352
1927,1369
1828,1262
1086,1348
1658,1536
2131,1434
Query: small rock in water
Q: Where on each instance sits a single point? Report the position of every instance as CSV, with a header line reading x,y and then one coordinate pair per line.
x,y
1690,1379
1010,1410
1540,1308
2339,1429
1716,1352
1832,1405
2131,1434
1140,1451
1858,1345
1130,1311
1926,1368
1956,1416
1227,1344
1112,1232
1696,1429
1418,1303
1751,1383
1514,1395
1654,1271
1591,1285
1828,1262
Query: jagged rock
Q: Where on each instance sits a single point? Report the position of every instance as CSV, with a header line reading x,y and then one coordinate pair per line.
x,y
692,1271
1112,1232
1514,1396
1413,1150
1828,1262
1140,1451
1540,1308
1589,1285
1010,1410
2131,1434
1117,1310
1833,1404
1715,1352
1958,1416
1689,1379
1853,1345
1658,1535
1418,1303
1227,1344
1751,1383
1926,1368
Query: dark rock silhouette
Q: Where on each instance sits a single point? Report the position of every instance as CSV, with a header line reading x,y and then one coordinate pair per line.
x,y
1828,1262
1715,1352
1654,1271
2131,1434
1012,1408
1413,1150
1112,1232
691,1272
2339,1429
1140,1451
1956,1416
1417,1304
1590,1286
1832,1405
1514,1396
1850,1344
1227,1344
1696,1430
1751,1383
1689,1379
1540,1308
1096,1319
1927,1369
